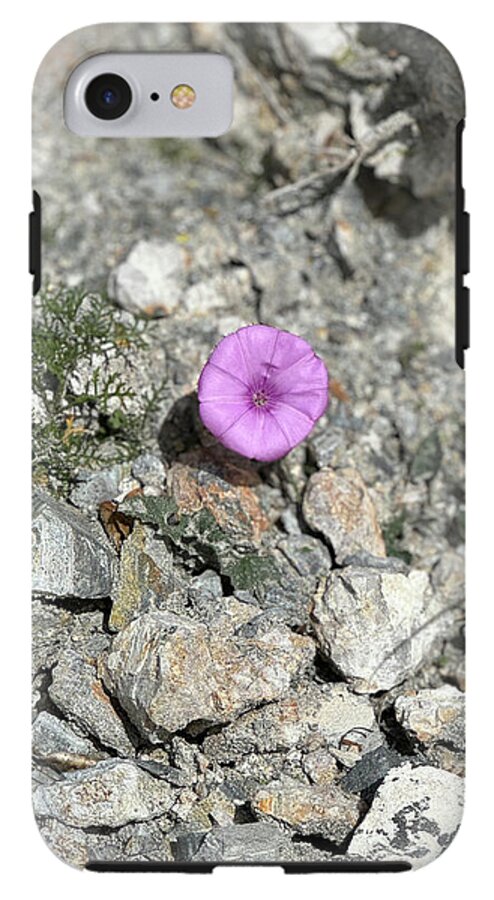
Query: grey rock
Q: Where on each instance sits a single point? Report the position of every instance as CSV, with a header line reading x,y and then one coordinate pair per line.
x,y
371,769
306,554
206,587
150,280
171,774
390,564
436,720
322,447
206,808
146,576
95,488
78,692
149,470
325,810
71,557
52,736
251,843
337,504
376,627
283,593
146,841
51,628
169,672
415,814
139,841
110,794
308,718
54,627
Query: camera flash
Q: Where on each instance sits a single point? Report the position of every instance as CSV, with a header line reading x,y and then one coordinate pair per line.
x,y
183,96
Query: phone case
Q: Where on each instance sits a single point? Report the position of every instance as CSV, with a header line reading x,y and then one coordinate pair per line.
x,y
248,601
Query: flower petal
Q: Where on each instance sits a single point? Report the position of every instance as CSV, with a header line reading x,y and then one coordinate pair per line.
x,y
220,417
229,357
220,384
257,435
296,424
290,350
307,373
257,344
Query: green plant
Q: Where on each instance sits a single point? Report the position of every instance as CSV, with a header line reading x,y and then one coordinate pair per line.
x,y
199,537
86,418
393,536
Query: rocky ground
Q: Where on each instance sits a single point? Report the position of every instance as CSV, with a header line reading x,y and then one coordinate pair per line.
x,y
235,661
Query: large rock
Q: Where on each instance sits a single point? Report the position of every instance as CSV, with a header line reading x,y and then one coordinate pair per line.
x,y
337,504
110,794
415,814
78,692
436,720
151,279
170,673
307,719
250,843
199,482
325,810
71,557
375,626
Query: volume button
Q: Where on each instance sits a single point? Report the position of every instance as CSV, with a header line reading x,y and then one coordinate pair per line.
x,y
465,317
35,242
465,243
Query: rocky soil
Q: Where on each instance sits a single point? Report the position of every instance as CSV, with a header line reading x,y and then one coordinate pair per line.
x,y
235,661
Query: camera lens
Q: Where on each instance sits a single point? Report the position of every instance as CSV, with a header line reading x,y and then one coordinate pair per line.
x,y
108,96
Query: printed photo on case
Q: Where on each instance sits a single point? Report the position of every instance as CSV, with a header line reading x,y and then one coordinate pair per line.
x,y
248,462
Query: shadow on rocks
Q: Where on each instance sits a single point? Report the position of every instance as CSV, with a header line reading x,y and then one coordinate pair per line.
x,y
395,204
184,438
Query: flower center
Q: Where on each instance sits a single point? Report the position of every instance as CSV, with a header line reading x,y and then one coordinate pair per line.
x,y
259,398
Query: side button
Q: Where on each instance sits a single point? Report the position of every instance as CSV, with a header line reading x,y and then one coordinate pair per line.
x,y
35,242
465,317
462,325
465,243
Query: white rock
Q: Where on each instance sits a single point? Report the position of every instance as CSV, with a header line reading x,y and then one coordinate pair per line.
x,y
376,626
150,279
414,816
109,794
324,41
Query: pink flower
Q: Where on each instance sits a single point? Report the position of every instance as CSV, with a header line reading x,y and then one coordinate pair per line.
x,y
261,391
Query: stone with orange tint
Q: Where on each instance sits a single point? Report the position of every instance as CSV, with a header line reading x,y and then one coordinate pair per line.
x,y
338,505
309,809
170,673
230,492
